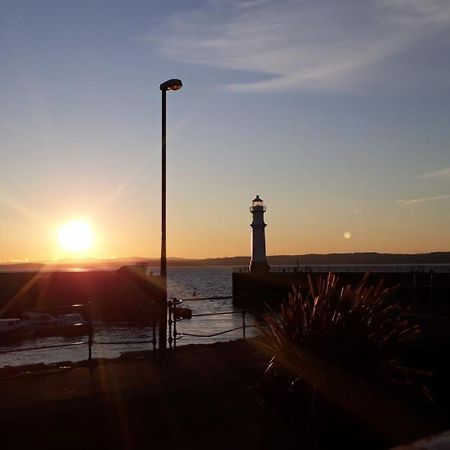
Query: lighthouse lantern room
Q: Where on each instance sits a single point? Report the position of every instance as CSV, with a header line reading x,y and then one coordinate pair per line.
x,y
258,262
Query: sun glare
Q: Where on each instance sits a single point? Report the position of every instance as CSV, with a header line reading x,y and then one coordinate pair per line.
x,y
76,236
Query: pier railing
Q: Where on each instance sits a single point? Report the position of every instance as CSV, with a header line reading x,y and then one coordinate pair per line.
x,y
356,268
88,339
176,313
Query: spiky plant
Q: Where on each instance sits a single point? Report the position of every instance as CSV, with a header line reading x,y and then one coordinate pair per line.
x,y
332,349
336,329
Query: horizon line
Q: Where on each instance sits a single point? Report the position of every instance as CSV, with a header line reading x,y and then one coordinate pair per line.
x,y
156,258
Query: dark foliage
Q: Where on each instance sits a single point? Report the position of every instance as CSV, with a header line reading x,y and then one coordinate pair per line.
x,y
333,328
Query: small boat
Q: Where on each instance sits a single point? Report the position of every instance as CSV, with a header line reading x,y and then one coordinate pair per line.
x,y
44,324
15,329
72,324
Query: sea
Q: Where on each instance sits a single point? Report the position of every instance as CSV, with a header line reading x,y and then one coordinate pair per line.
x,y
191,284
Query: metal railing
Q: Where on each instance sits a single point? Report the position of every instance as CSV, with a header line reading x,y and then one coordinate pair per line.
x,y
356,268
175,312
90,342
175,315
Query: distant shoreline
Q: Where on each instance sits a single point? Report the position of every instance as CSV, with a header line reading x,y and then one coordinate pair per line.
x,y
241,261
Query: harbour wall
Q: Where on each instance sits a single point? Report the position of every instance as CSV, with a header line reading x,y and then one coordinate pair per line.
x,y
126,294
423,288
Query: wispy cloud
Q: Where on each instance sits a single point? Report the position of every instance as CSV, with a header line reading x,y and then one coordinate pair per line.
x,y
441,173
309,44
424,199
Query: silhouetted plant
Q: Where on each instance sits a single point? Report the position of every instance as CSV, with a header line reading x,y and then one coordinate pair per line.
x,y
333,329
330,347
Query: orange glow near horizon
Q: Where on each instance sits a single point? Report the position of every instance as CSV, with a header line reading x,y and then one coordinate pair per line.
x,y
67,231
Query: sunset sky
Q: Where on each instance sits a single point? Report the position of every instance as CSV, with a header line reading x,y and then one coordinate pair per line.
x,y
336,113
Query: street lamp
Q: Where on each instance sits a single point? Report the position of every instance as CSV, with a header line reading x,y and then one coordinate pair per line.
x,y
169,85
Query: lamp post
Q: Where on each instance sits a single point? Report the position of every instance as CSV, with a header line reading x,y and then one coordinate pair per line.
x,y
169,85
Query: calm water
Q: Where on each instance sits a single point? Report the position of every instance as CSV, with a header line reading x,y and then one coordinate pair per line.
x,y
182,283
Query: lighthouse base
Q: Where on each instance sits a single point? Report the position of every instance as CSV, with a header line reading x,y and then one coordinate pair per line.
x,y
259,266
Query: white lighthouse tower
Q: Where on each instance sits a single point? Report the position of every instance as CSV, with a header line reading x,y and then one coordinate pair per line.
x,y
259,260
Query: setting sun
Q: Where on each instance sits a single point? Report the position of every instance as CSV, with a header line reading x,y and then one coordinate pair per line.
x,y
76,236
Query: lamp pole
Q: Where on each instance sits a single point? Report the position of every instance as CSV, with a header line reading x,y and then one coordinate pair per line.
x,y
169,85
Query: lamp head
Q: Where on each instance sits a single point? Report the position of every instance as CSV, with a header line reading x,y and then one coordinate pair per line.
x,y
171,85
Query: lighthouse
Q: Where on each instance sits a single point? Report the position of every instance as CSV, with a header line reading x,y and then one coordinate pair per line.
x,y
259,260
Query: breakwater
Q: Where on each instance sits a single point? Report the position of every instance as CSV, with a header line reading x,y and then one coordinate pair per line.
x,y
424,287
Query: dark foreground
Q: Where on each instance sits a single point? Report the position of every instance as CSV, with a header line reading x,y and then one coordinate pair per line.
x,y
197,398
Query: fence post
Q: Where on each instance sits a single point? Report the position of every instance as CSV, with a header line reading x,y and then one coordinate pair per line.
x,y
243,323
174,313
431,290
90,330
414,280
169,305
154,338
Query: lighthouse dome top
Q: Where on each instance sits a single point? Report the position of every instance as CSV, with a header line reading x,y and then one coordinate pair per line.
x,y
257,204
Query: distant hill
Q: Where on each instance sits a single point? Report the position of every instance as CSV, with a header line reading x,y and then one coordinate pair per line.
x,y
364,258
324,259
237,261
73,263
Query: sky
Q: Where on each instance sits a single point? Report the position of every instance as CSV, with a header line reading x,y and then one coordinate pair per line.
x,y
335,113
